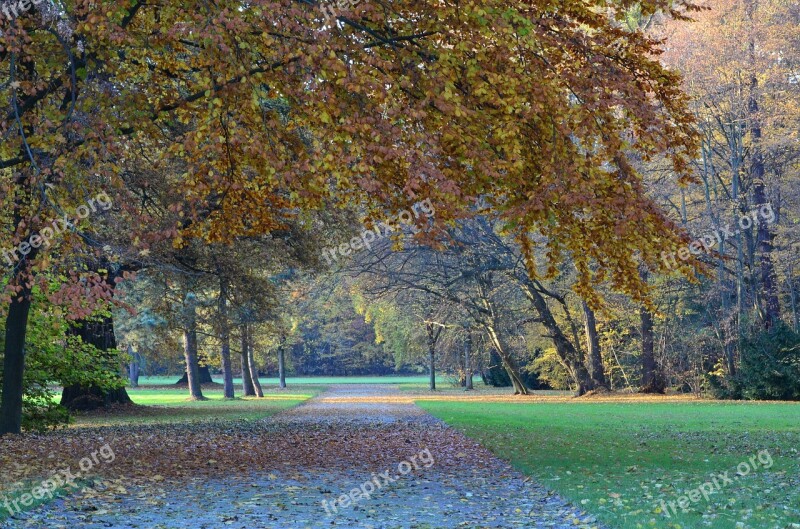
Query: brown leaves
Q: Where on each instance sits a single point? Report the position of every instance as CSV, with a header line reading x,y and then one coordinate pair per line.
x,y
253,116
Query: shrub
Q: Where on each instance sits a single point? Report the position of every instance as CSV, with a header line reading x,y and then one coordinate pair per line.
x,y
551,370
769,368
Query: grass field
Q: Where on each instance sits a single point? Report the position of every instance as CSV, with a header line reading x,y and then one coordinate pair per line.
x,y
292,381
619,460
172,406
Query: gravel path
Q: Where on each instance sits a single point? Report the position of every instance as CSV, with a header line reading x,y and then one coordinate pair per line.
x,y
374,458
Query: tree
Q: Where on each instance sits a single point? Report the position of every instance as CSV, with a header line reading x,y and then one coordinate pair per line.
x,y
468,359
249,379
739,60
223,330
418,100
594,357
193,380
457,278
96,329
249,342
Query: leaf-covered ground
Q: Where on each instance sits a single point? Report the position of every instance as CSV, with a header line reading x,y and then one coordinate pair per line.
x,y
276,472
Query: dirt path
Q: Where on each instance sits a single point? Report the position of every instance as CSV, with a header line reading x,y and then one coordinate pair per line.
x,y
375,460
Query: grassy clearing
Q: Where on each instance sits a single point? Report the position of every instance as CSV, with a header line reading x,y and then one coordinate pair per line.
x,y
444,384
480,391
293,381
619,460
171,406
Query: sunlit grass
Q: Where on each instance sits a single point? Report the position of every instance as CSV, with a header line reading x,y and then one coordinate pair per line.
x,y
173,406
618,460
292,381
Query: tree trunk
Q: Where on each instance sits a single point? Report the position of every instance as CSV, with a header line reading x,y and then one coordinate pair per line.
x,y
225,339
87,398
594,357
192,375
203,372
652,378
19,310
652,381
251,364
248,389
282,363
508,361
100,334
431,357
564,348
14,362
769,281
134,367
468,360
133,374
192,369
765,236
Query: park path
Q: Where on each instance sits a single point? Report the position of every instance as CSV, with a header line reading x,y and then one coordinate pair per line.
x,y
418,474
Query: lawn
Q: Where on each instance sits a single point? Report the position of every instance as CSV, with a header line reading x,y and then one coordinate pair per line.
x,y
168,405
619,460
292,381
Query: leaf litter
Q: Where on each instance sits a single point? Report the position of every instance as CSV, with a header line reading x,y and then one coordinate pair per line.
x,y
276,473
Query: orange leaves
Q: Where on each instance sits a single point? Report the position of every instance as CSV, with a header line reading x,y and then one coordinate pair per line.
x,y
255,115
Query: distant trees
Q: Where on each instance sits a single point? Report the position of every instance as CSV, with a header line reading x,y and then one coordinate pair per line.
x,y
740,62
481,275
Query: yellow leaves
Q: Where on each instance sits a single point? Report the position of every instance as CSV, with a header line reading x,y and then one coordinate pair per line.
x,y
487,114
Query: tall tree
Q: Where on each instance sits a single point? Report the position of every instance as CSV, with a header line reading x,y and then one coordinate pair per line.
x,y
594,357
193,380
298,112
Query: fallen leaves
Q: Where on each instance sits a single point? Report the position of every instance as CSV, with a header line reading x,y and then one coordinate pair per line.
x,y
275,473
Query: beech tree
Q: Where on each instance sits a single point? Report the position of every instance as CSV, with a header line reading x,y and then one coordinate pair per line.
x,y
272,112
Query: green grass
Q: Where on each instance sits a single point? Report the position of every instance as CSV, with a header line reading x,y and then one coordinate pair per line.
x,y
445,384
619,460
292,381
172,406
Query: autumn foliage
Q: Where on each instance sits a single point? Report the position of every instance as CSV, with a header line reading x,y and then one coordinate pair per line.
x,y
250,116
